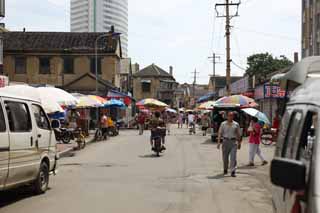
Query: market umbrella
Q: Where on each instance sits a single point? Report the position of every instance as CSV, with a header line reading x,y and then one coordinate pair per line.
x,y
49,105
58,95
85,101
259,115
236,101
98,98
207,105
171,110
114,103
150,102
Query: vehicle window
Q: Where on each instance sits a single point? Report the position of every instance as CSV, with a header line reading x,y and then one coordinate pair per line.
x,y
292,134
308,137
41,118
18,116
2,121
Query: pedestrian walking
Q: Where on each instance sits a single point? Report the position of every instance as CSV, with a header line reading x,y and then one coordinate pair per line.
x,y
254,142
166,118
180,120
229,132
141,122
205,123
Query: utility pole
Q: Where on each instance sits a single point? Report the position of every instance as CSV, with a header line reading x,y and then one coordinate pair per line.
x,y
195,73
228,17
214,62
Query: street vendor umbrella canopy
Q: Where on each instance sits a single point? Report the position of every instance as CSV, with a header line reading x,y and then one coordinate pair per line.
x,y
114,103
236,101
98,99
85,101
150,102
209,105
58,95
259,115
49,105
171,110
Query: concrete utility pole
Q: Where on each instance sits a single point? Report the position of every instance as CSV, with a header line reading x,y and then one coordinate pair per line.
x,y
214,62
228,17
195,73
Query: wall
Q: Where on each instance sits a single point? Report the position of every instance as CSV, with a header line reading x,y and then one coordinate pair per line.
x,y
110,66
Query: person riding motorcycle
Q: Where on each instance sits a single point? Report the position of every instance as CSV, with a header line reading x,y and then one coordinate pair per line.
x,y
155,123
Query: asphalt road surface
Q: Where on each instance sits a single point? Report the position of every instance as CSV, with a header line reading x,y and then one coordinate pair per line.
x,y
121,175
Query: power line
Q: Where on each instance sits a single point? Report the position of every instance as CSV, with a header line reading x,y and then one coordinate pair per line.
x,y
238,66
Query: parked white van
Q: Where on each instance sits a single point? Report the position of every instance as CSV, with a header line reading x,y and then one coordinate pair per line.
x,y
27,144
295,169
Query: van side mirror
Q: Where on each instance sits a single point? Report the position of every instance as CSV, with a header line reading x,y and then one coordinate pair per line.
x,y
55,124
288,174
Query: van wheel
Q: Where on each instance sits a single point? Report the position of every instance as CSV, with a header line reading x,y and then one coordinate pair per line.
x,y
42,181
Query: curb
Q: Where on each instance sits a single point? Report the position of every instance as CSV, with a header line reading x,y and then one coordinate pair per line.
x,y
68,152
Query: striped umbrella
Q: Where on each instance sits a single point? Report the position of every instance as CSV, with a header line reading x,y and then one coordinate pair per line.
x,y
236,101
207,105
150,102
98,99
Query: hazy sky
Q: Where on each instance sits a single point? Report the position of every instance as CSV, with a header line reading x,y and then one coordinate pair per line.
x,y
182,33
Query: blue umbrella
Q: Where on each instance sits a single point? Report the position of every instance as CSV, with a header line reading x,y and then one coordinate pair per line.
x,y
114,103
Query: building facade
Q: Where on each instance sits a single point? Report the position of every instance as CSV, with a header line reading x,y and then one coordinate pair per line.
x,y
99,16
154,82
310,28
65,60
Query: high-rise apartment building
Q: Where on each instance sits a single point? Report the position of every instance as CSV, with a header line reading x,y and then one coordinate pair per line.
x,y
99,16
310,28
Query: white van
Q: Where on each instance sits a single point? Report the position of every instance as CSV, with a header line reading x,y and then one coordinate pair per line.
x,y
295,169
27,144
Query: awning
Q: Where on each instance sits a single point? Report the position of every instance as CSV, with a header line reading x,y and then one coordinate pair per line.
x,y
308,67
113,94
146,81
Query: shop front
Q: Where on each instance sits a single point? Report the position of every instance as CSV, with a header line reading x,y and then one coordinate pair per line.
x,y
270,98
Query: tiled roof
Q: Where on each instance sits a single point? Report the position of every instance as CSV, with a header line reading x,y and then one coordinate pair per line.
x,y
56,41
153,71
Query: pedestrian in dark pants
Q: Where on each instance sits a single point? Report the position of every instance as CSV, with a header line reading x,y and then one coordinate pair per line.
x,y
229,132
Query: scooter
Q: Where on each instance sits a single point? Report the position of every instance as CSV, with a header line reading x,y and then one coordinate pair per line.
x,y
157,141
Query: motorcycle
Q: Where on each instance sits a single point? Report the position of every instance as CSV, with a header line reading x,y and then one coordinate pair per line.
x,y
64,135
157,137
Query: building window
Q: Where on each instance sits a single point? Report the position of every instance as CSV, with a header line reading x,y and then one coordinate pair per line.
x,y
44,65
93,65
146,87
68,65
20,65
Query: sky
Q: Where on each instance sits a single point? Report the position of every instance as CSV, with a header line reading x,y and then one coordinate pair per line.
x,y
183,33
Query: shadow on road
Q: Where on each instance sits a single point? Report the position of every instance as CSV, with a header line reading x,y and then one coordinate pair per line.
x,y
148,156
216,177
12,196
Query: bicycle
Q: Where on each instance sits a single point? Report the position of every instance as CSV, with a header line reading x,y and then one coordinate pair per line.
x,y
269,136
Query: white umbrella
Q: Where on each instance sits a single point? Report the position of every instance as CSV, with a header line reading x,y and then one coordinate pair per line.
x,y
49,105
171,110
58,95
259,115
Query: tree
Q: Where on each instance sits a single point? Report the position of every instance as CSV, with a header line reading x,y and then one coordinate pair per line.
x,y
263,64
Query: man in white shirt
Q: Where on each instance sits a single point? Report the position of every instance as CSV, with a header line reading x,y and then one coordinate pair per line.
x,y
191,121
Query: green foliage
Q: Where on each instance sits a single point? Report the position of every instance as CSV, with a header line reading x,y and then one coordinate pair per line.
x,y
263,64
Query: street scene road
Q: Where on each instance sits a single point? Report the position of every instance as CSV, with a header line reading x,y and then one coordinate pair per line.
x,y
122,175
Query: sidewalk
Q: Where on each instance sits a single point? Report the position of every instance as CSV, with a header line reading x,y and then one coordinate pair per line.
x,y
65,150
